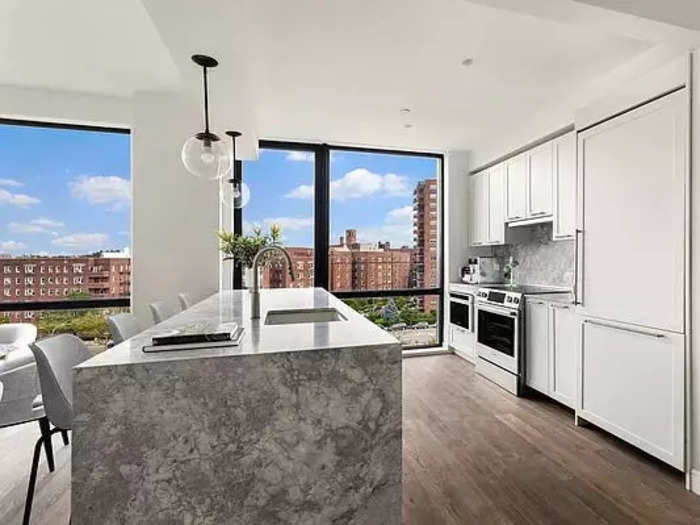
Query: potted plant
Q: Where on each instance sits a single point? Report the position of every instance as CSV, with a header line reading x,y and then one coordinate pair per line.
x,y
242,249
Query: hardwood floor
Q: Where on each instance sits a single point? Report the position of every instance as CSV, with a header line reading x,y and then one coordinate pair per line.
x,y
52,496
475,454
472,454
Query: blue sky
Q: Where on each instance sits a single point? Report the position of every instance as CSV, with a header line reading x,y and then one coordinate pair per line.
x,y
63,191
370,192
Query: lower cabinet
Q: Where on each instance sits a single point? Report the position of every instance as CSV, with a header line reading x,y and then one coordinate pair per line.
x,y
633,386
551,336
463,342
536,345
563,338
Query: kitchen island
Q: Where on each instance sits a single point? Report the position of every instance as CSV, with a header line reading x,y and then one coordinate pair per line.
x,y
300,423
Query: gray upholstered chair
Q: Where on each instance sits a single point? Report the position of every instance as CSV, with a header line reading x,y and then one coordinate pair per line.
x,y
123,327
185,299
17,373
160,310
55,358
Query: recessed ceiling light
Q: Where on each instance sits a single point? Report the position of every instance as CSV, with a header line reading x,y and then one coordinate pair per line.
x,y
467,61
408,125
405,111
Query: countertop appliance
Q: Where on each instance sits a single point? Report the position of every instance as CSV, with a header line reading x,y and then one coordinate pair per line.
x,y
470,272
500,333
488,270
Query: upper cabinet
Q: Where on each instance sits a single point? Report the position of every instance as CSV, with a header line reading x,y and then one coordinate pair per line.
x,y
538,185
497,225
539,201
487,203
564,187
516,187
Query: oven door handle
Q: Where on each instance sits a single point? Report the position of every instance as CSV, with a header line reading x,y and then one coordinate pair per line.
x,y
497,310
461,300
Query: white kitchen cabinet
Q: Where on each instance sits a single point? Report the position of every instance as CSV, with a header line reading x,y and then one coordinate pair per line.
x,y
563,338
479,209
487,223
632,171
463,342
516,187
540,180
633,386
496,181
536,345
564,198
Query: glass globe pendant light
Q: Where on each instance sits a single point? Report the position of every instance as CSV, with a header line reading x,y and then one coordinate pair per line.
x,y
239,195
203,154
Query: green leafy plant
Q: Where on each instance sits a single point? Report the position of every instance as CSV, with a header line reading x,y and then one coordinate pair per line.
x,y
242,249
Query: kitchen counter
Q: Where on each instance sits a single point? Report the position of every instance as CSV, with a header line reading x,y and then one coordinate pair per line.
x,y
459,287
300,423
559,298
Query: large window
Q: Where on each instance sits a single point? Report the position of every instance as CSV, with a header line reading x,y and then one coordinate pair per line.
x,y
365,224
65,197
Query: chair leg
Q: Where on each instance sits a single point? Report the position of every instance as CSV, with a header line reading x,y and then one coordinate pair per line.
x,y
64,435
32,481
48,446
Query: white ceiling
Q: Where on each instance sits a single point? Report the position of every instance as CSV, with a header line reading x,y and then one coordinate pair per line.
x,y
335,70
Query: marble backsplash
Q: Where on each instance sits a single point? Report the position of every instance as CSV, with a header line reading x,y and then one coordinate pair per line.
x,y
542,261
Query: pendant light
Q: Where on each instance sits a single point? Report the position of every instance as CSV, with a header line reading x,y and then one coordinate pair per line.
x,y
203,154
240,192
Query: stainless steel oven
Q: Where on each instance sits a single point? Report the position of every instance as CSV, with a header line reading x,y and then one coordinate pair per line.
x,y
462,311
498,336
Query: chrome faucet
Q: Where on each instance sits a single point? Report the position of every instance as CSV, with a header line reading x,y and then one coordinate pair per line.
x,y
255,292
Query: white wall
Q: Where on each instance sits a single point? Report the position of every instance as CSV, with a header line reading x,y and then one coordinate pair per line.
x,y
695,269
175,215
63,106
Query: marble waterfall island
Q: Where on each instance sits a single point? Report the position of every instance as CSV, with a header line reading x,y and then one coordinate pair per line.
x,y
300,423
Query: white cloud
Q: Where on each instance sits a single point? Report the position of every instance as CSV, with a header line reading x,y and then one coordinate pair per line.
x,y
97,189
400,215
305,191
40,225
17,199
11,246
88,241
10,182
358,183
289,223
300,156
397,229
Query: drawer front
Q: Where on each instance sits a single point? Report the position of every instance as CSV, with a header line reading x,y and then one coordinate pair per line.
x,y
633,385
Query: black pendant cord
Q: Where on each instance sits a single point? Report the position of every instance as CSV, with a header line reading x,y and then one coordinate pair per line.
x,y
206,101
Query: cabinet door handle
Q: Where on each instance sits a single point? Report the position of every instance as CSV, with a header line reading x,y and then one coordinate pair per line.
x,y
534,213
655,335
514,217
577,234
560,306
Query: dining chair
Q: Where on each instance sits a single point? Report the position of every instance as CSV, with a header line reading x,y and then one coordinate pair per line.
x,y
55,358
161,310
185,300
123,327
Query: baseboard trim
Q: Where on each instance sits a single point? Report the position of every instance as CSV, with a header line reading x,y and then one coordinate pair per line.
x,y
422,352
695,481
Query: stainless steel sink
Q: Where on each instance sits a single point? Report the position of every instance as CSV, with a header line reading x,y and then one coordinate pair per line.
x,y
311,315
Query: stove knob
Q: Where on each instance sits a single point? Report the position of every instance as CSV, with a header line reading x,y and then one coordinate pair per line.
x,y
516,300
509,299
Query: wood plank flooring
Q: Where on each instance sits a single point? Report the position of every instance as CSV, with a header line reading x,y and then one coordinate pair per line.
x,y
472,454
475,454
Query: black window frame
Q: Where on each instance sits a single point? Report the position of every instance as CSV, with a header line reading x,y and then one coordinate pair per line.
x,y
66,304
322,156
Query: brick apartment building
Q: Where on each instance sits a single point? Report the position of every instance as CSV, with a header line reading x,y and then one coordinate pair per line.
x,y
353,266
34,278
360,266
425,238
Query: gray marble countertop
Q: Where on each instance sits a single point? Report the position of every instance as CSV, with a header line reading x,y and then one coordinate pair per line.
x,y
258,338
564,298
